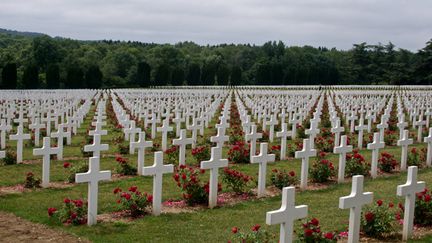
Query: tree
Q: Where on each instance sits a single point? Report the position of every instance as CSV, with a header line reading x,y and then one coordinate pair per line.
x,y
9,76
45,50
177,77
31,77
208,74
53,76
74,78
163,75
423,66
263,75
360,63
236,75
222,74
194,74
143,77
93,77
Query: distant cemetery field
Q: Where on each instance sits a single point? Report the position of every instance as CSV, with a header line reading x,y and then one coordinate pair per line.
x,y
220,163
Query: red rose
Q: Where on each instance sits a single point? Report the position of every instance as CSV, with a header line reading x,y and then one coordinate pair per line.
x,y
256,227
73,216
78,203
234,230
379,202
427,198
391,205
133,188
66,200
369,216
51,211
127,196
150,198
117,190
66,165
308,232
329,235
314,221
292,173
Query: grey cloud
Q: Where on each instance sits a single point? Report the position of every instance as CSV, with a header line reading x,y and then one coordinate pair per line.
x,y
331,23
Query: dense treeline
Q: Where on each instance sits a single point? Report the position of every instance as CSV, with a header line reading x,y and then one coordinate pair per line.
x,y
45,62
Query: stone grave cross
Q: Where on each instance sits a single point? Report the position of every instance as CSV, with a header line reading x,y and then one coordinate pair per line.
x,y
93,176
354,202
409,190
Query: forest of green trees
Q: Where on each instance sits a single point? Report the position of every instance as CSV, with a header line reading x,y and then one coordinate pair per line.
x,y
39,61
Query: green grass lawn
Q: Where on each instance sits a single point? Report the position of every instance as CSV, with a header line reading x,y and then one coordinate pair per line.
x,y
204,225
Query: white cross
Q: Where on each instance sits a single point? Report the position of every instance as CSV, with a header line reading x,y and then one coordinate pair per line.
x,y
262,159
46,152
93,176
409,190
305,154
165,129
220,138
337,130
182,141
214,164
360,128
153,121
157,170
294,121
312,132
428,140
375,146
428,113
352,120
420,123
19,137
98,130
178,121
252,137
60,134
48,121
273,121
141,145
286,215
129,130
4,127
223,123
404,142
370,116
382,126
247,124
194,127
21,120
401,124
2,154
342,150
37,126
96,147
354,202
283,134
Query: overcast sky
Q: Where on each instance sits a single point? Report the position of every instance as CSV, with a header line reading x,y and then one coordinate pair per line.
x,y
330,23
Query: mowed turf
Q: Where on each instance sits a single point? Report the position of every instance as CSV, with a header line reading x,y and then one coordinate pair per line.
x,y
203,225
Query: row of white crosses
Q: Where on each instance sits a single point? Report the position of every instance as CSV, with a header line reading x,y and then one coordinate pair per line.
x,y
344,148
289,213
38,122
46,151
199,120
